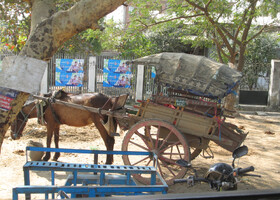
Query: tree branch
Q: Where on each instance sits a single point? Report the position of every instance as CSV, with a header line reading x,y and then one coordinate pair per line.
x,y
230,35
52,32
248,24
195,5
220,48
256,35
207,5
240,25
167,20
211,20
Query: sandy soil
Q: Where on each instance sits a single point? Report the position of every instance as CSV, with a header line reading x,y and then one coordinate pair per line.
x,y
262,141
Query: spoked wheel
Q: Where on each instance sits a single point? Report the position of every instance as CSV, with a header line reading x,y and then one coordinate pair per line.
x,y
163,139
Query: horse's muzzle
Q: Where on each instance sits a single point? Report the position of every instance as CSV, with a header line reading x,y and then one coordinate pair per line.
x,y
15,136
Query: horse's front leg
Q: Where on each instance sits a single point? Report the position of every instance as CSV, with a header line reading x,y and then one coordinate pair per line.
x,y
110,147
49,140
56,141
108,140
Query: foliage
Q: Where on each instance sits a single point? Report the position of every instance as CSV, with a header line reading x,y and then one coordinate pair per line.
x,y
14,24
165,39
226,24
258,58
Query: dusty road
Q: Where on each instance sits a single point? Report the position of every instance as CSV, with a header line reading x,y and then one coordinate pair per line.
x,y
262,141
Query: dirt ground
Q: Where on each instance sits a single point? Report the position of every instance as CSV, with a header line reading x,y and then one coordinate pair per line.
x,y
262,141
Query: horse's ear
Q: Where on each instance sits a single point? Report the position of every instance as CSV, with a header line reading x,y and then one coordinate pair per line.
x,y
57,94
113,100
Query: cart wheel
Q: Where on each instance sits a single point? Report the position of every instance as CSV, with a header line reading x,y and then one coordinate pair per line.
x,y
159,137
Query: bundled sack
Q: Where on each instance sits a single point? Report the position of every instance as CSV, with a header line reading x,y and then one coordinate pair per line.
x,y
196,74
35,155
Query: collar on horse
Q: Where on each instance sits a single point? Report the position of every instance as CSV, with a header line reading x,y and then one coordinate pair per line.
x,y
50,101
41,107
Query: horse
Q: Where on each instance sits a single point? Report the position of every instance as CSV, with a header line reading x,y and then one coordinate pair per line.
x,y
55,114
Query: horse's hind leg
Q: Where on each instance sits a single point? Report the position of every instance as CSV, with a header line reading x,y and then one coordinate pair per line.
x,y
56,140
108,140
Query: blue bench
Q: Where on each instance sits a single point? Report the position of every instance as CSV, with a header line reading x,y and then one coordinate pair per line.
x,y
100,180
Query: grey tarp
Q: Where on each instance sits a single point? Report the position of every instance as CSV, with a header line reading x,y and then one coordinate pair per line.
x,y
196,74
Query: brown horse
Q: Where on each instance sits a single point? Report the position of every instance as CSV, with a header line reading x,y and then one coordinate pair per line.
x,y
56,114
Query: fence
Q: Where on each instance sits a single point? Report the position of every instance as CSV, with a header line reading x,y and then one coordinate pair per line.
x,y
98,73
149,85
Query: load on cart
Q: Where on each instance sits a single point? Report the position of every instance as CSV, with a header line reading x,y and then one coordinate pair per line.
x,y
181,124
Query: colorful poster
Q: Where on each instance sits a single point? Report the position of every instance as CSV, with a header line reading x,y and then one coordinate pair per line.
x,y
153,72
69,72
6,97
116,73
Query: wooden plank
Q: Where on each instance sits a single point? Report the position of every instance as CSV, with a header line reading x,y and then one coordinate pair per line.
x,y
186,122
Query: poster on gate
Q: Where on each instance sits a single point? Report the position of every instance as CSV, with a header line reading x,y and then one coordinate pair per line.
x,y
6,97
69,72
116,73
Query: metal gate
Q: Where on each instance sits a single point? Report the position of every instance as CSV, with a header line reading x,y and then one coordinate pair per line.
x,y
113,91
254,87
99,75
51,73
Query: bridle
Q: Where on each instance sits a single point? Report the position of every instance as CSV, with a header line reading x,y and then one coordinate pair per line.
x,y
24,120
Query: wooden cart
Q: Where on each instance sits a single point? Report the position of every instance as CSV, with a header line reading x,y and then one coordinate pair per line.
x,y
181,124
175,127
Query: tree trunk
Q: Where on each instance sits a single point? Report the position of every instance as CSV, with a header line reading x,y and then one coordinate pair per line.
x,y
230,100
49,31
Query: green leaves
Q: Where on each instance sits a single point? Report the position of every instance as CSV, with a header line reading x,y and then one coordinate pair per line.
x,y
258,57
14,25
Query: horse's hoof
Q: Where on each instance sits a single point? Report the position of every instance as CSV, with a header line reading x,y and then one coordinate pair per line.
x,y
109,162
46,159
54,159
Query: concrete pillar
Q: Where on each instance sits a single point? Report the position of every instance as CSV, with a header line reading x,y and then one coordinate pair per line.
x,y
274,86
92,74
139,82
44,83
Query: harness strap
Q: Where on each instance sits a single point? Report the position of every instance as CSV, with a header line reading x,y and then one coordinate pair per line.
x,y
50,100
25,116
219,121
40,112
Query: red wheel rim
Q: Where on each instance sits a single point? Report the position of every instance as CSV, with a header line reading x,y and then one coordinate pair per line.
x,y
159,137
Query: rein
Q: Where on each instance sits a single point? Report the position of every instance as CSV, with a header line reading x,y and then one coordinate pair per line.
x,y
25,118
40,112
